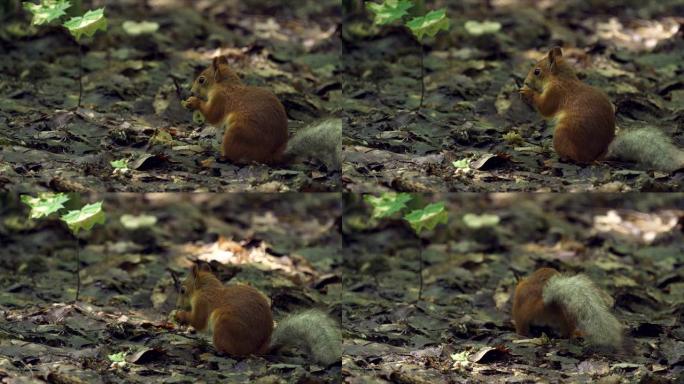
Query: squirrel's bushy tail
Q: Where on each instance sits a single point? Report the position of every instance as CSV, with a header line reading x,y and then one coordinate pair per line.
x,y
648,147
313,330
321,140
582,300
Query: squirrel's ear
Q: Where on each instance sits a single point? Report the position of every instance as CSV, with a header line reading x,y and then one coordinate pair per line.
x,y
216,69
216,64
554,54
218,60
204,267
200,266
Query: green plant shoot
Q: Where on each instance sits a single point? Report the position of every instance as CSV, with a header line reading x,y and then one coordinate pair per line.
x,y
47,10
389,10
45,204
85,25
428,217
91,22
387,204
84,218
430,24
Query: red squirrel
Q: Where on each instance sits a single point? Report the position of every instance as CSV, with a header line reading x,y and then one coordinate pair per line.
x,y
571,305
255,121
585,120
241,323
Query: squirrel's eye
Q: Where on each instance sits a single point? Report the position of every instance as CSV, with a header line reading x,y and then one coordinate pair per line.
x,y
183,290
202,79
537,71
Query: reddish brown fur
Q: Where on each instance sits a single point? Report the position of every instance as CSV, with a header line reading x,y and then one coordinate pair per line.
x,y
529,308
586,119
255,120
242,319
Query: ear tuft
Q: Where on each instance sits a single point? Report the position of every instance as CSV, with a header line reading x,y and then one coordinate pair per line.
x,y
218,60
216,65
555,53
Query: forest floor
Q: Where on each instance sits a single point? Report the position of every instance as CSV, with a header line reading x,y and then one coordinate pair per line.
x,y
132,83
120,330
473,132
461,330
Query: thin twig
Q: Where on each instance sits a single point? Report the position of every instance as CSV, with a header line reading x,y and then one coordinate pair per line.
x,y
176,280
420,271
178,88
78,268
80,78
422,74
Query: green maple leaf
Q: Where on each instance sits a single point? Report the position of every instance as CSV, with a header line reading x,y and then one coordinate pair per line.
x,y
388,203
389,10
47,10
45,204
85,218
428,217
430,24
88,24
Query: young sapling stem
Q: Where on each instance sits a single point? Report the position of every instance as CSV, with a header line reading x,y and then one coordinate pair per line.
x,y
422,74
78,267
80,73
420,269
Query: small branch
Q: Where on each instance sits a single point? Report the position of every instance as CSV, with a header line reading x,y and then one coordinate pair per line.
x,y
176,280
178,88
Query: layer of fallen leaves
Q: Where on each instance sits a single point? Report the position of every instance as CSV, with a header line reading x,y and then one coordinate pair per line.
x,y
474,133
461,332
120,330
133,82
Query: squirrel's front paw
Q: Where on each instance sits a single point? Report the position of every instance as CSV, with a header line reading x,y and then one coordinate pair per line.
x,y
193,102
527,94
182,317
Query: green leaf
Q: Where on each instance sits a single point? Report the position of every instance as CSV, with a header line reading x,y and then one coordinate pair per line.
x,y
461,357
388,203
85,218
430,24
87,24
476,28
428,217
117,357
389,10
47,10
474,221
119,164
461,164
45,204
197,117
143,27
